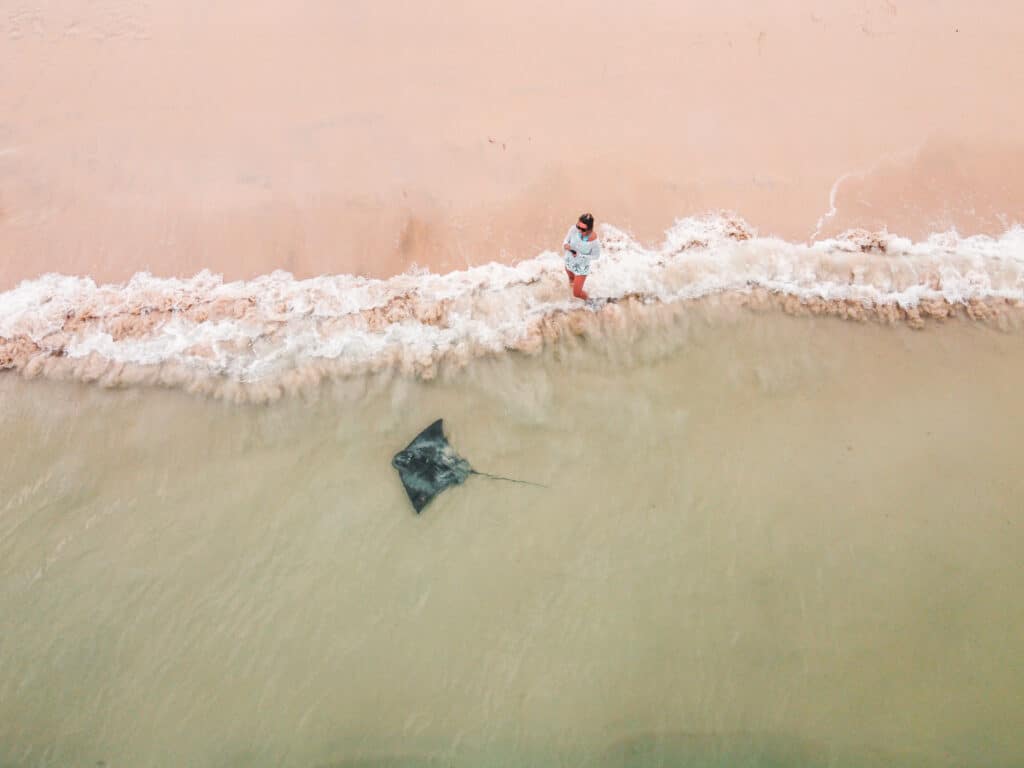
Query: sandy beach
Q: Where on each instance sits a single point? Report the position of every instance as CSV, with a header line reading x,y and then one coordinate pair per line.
x,y
365,137
772,515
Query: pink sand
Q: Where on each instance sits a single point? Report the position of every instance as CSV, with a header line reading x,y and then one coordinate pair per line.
x,y
366,136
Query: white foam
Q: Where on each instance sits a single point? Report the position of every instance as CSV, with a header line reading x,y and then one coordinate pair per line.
x,y
249,331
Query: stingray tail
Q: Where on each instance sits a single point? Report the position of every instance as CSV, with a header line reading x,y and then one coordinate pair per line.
x,y
507,479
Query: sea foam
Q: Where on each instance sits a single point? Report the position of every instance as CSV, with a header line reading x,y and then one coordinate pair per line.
x,y
259,338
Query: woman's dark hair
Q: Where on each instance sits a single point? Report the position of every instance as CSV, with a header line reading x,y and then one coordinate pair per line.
x,y
587,219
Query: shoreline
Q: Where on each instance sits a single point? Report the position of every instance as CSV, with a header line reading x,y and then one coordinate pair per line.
x,y
31,361
263,339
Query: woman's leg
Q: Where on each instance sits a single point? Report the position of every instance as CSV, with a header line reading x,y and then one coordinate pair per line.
x,y
571,276
577,287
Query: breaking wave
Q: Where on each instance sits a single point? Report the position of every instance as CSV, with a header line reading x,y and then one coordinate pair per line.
x,y
258,339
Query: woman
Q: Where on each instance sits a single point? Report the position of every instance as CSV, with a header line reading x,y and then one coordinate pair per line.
x,y
581,247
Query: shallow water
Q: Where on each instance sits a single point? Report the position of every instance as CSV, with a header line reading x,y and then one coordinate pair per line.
x,y
766,541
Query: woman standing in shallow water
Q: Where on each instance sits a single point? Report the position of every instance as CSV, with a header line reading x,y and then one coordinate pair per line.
x,y
581,247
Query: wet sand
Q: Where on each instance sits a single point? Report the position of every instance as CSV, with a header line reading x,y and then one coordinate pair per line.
x,y
368,136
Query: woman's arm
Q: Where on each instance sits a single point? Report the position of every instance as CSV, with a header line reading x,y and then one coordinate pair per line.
x,y
568,240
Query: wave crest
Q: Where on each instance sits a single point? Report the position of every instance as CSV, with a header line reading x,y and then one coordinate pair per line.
x,y
260,338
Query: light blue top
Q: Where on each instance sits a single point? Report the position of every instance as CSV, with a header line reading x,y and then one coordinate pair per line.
x,y
586,251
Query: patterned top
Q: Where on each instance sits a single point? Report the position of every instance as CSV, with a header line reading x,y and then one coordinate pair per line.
x,y
586,251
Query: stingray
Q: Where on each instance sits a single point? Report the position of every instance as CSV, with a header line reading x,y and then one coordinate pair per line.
x,y
429,465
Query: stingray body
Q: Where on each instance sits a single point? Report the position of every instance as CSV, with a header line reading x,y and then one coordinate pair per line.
x,y
429,465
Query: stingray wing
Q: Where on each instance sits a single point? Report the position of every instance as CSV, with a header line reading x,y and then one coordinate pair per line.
x,y
420,493
430,439
432,435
